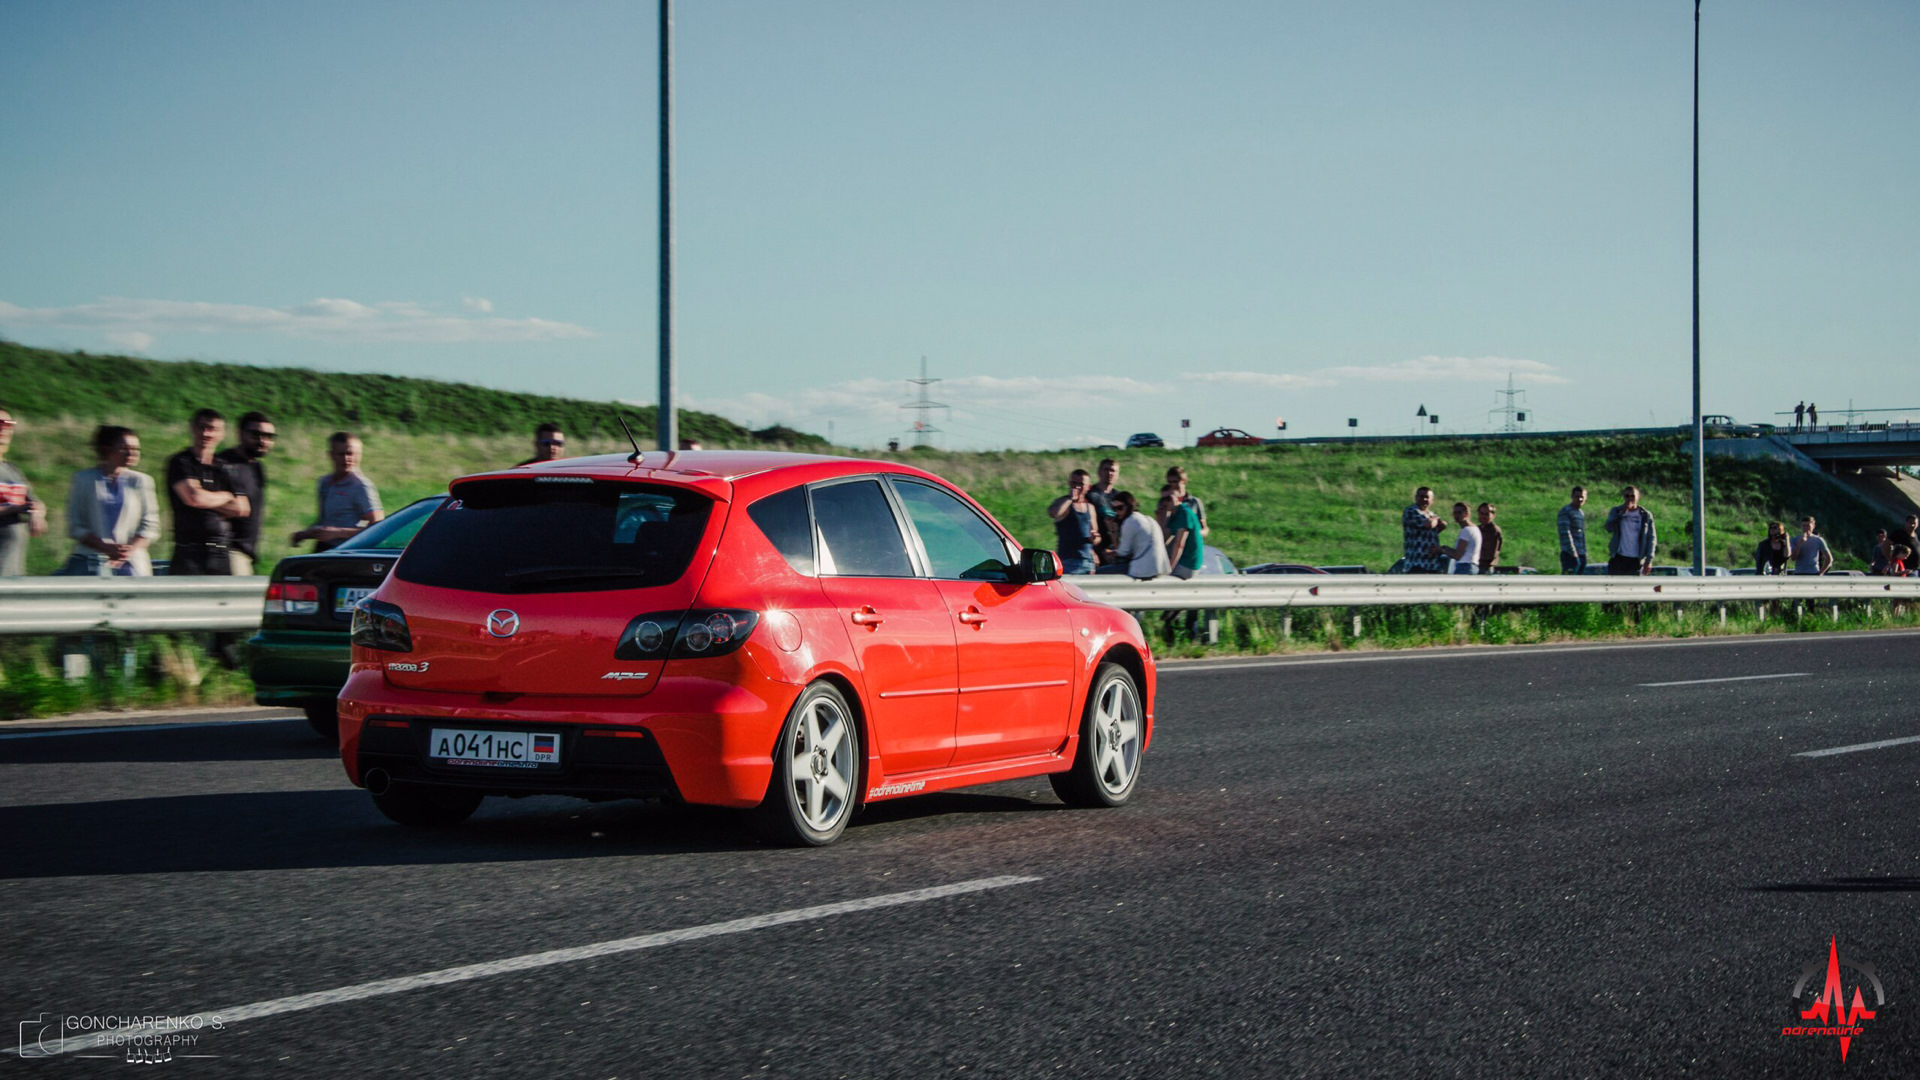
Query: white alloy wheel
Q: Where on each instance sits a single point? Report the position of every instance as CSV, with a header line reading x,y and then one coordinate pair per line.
x,y
1116,735
822,769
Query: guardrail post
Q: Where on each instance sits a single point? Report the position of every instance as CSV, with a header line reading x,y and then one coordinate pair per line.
x,y
1286,626
1760,610
1356,622
1799,612
1836,611
1723,616
1213,627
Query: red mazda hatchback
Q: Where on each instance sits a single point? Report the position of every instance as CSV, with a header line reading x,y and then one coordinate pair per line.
x,y
794,634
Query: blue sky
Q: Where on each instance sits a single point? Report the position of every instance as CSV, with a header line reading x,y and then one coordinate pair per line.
x,y
1091,218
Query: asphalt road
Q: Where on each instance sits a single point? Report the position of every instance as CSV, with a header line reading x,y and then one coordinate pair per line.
x,y
1493,863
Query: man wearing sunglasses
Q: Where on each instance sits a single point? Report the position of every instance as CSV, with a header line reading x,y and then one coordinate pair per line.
x,y
21,515
549,444
257,435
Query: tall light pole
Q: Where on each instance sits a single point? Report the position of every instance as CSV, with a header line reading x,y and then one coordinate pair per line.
x,y
1699,429
667,423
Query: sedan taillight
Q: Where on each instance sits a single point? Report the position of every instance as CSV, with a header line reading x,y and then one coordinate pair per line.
x,y
286,598
684,636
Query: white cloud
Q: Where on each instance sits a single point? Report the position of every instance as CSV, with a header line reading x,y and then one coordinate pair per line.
x,y
1266,380
322,319
478,304
131,340
1488,369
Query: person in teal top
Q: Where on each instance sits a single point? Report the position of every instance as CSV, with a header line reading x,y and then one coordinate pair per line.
x,y
1184,547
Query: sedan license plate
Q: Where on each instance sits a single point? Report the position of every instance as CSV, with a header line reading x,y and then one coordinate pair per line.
x,y
494,749
344,598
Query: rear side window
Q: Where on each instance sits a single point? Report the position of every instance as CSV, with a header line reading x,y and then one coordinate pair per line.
x,y
959,542
394,532
543,535
858,534
784,520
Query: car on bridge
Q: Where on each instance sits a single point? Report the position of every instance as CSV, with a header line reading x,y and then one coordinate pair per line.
x,y
300,655
1229,437
790,635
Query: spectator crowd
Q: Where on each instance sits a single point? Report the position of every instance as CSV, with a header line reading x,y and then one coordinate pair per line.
x,y
216,497
1101,529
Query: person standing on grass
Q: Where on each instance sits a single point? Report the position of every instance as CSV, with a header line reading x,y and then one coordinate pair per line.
x,y
1771,555
1076,525
1492,537
1907,534
201,493
1572,527
1184,549
113,512
1101,496
1465,551
549,444
1882,553
1420,530
1631,538
257,435
1141,550
21,515
1810,553
348,500
1177,479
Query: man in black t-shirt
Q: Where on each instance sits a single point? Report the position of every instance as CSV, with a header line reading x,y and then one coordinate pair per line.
x,y
249,478
200,491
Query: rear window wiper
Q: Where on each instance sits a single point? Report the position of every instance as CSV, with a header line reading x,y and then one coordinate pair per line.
x,y
536,575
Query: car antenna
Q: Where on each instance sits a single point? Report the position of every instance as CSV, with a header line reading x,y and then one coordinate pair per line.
x,y
637,452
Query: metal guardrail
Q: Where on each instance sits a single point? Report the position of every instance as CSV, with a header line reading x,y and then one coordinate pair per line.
x,y
61,605
72,605
1370,590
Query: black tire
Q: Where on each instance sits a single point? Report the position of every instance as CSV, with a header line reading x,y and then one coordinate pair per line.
x,y
802,809
430,807
324,718
1113,712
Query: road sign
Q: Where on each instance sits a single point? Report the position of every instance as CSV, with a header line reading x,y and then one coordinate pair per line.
x,y
1186,423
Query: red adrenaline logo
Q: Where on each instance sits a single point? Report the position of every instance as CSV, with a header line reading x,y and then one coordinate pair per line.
x,y
1835,1015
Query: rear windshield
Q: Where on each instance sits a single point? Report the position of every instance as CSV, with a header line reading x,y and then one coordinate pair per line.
x,y
553,534
395,532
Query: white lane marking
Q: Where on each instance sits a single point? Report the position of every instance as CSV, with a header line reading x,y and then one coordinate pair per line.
x,y
1883,743
1200,667
145,728
360,991
1730,678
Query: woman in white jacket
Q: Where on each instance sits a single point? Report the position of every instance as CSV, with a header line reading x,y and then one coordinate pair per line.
x,y
113,513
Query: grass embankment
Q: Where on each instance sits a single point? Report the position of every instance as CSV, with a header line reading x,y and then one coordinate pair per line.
x,y
1341,504
1319,504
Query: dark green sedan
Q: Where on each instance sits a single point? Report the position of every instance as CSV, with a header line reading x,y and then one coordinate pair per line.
x,y
299,657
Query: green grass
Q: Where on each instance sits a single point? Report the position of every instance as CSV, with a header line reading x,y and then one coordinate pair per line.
x,y
1341,504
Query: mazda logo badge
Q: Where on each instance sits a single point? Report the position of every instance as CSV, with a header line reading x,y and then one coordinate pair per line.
x,y
503,623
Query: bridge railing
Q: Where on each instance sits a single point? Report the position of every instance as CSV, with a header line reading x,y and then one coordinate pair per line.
x,y
59,605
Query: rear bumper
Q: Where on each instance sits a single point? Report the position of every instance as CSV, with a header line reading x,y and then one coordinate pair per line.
x,y
710,741
297,665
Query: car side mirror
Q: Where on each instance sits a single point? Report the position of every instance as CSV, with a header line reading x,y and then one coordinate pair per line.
x,y
1037,565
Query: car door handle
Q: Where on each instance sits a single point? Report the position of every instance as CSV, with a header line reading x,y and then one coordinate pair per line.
x,y
866,616
972,617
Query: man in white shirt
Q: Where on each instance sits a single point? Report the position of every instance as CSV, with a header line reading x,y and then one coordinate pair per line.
x,y
1465,551
1141,551
1630,536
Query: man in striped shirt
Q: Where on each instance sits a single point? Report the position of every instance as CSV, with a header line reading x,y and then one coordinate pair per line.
x,y
1573,534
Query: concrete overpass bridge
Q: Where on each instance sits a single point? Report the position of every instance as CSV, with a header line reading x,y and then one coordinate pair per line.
x,y
1839,447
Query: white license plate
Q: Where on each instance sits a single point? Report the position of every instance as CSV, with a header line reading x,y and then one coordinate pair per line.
x,y
495,749
345,598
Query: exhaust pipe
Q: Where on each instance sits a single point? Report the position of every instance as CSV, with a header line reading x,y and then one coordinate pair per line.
x,y
377,781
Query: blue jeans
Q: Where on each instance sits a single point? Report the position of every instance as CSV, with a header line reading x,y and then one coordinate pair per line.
x,y
1075,566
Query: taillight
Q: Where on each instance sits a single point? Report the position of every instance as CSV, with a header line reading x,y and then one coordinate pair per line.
x,y
286,598
379,625
685,636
